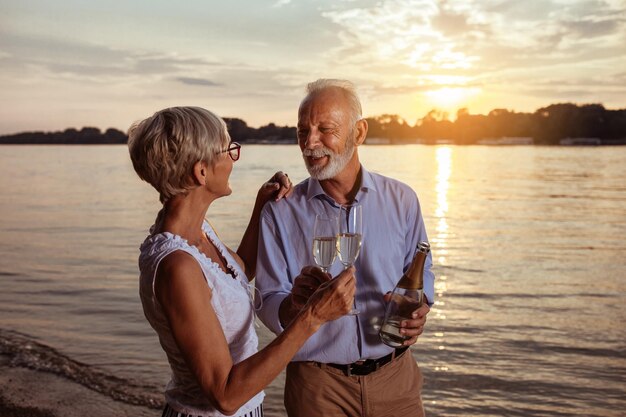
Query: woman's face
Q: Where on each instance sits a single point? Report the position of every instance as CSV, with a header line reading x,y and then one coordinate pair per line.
x,y
220,173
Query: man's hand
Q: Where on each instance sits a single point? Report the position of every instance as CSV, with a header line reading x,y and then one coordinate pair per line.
x,y
414,326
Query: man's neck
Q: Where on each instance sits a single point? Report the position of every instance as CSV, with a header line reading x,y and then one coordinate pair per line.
x,y
344,187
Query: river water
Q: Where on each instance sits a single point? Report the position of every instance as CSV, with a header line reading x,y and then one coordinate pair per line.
x,y
528,243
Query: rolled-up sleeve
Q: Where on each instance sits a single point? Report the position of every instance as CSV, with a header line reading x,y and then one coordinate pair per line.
x,y
272,280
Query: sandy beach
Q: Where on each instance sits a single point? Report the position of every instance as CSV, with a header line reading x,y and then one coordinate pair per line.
x,y
25,392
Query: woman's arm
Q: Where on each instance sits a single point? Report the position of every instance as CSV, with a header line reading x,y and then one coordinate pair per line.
x,y
277,187
185,297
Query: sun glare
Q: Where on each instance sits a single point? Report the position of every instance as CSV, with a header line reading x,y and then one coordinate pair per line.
x,y
451,98
444,169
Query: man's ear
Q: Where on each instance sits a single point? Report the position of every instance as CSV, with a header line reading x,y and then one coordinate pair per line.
x,y
200,172
361,132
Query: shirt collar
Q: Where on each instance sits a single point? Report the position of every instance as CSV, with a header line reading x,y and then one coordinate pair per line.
x,y
367,183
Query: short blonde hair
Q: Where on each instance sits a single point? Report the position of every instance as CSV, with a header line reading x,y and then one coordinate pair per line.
x,y
165,147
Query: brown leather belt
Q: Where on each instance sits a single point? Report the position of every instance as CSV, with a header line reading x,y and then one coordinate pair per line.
x,y
367,366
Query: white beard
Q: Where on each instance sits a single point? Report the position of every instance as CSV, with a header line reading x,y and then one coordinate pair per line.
x,y
336,161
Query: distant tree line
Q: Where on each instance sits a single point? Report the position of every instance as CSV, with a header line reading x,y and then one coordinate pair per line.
x,y
85,136
546,126
238,129
240,132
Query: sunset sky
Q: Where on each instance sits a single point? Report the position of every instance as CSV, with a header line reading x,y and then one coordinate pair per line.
x,y
72,63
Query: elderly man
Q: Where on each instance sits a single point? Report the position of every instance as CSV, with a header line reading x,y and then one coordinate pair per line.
x,y
344,369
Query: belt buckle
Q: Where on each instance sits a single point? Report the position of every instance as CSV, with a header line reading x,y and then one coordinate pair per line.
x,y
350,365
349,368
372,365
365,368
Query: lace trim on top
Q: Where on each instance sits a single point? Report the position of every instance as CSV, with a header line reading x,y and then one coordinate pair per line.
x,y
239,275
233,266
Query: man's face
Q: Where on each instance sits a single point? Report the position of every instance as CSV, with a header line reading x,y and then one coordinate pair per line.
x,y
325,133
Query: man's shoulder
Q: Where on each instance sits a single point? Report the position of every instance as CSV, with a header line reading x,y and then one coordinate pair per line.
x,y
380,178
394,186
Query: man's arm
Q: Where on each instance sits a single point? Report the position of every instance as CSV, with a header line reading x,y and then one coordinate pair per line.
x,y
275,188
273,280
282,295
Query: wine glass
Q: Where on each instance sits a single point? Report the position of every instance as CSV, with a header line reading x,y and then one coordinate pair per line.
x,y
324,241
349,237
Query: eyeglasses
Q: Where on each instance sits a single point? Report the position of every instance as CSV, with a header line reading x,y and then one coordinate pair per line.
x,y
234,149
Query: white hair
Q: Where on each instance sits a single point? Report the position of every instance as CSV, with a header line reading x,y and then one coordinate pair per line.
x,y
348,89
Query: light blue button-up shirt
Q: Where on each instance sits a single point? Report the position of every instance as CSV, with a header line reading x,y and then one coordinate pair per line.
x,y
392,227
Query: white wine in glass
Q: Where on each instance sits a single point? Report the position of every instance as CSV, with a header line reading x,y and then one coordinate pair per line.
x,y
324,241
349,237
348,248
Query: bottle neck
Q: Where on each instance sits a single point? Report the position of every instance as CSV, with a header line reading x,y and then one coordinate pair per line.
x,y
413,279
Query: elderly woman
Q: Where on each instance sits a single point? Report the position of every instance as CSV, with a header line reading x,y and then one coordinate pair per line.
x,y
194,289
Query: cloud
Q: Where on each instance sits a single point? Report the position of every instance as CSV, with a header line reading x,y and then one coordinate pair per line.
x,y
396,51
393,31
611,81
281,3
497,50
569,94
473,38
589,28
68,59
197,81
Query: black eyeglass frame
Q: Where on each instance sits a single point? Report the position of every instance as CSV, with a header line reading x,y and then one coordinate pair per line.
x,y
234,151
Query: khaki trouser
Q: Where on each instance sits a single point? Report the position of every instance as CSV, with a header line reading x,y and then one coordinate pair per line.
x,y
313,390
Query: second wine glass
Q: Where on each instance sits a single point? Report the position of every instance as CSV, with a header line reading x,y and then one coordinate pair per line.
x,y
349,237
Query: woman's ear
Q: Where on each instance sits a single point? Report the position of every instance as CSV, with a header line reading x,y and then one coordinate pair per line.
x,y
200,172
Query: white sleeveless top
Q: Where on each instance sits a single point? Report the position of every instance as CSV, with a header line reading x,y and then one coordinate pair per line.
x,y
232,301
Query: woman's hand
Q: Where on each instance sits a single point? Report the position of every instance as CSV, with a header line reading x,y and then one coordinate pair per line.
x,y
275,188
333,298
305,285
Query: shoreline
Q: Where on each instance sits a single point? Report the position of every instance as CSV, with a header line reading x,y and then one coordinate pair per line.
x,y
26,392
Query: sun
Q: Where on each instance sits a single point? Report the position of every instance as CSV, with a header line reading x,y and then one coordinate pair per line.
x,y
451,98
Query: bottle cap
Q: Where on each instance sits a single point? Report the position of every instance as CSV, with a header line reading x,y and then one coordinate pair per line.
x,y
423,247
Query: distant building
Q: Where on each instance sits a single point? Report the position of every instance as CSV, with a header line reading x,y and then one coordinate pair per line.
x,y
580,142
507,140
377,141
444,142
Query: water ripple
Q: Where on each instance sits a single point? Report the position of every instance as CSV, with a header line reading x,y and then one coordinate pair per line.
x,y
26,352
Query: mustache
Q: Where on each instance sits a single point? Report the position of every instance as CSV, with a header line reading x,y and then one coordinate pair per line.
x,y
317,153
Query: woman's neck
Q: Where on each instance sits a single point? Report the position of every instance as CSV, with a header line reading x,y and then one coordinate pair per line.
x,y
183,215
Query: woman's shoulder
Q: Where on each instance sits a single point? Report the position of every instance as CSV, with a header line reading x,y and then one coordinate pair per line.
x,y
179,262
179,273
158,245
